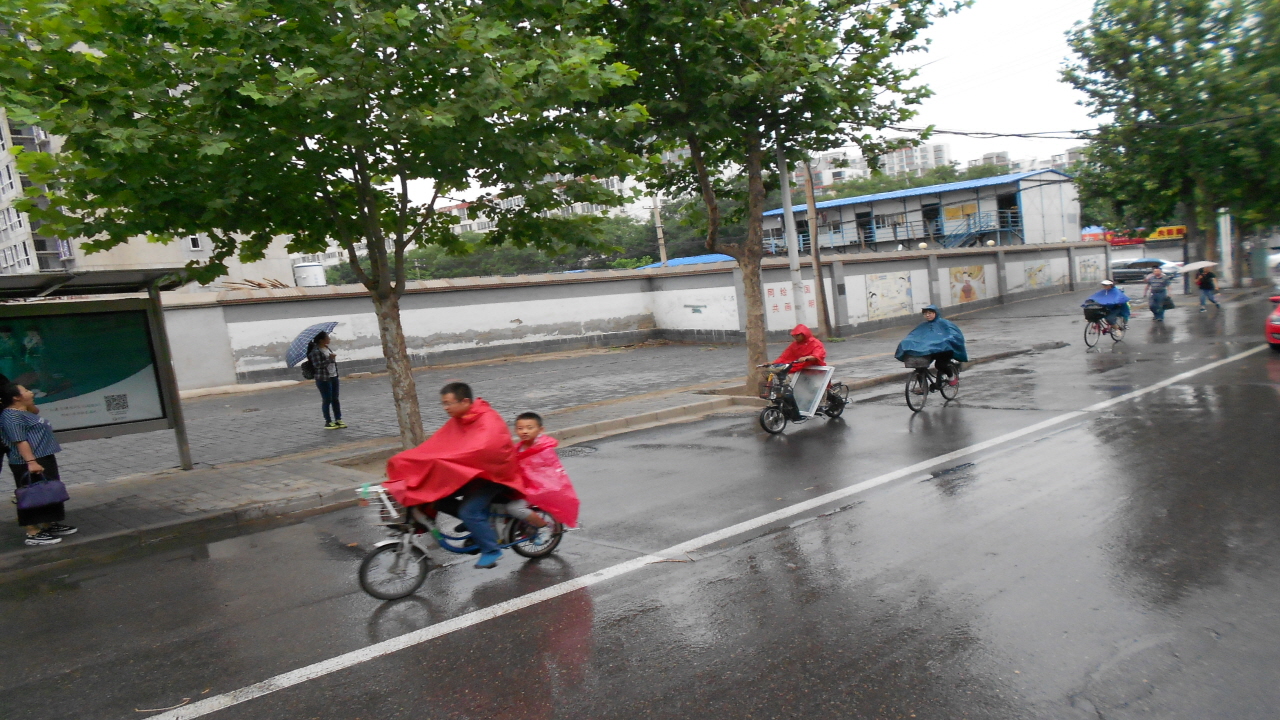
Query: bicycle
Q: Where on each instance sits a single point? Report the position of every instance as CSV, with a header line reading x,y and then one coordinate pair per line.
x,y
1096,326
397,567
782,402
925,380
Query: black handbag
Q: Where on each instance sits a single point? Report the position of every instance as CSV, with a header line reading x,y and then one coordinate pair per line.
x,y
1168,303
38,493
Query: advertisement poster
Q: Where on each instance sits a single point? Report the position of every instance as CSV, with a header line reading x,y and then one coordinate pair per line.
x,y
85,370
888,295
968,283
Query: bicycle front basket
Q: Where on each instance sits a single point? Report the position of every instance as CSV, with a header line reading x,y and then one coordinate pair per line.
x,y
1094,313
917,361
390,512
768,386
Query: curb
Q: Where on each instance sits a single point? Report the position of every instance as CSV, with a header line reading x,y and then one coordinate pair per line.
x,y
231,522
605,428
137,541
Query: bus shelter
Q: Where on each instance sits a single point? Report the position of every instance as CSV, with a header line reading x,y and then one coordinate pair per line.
x,y
93,349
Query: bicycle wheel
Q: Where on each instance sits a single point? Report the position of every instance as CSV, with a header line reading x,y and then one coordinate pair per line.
x,y
772,420
917,391
1117,333
1092,333
949,391
535,542
393,571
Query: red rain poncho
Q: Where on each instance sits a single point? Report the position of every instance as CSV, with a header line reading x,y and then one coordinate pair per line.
x,y
808,345
546,484
476,445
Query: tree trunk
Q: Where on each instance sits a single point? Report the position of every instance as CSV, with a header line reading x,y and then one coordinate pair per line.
x,y
403,388
748,254
752,251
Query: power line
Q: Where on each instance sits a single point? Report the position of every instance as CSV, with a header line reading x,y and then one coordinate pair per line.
x,y
1070,134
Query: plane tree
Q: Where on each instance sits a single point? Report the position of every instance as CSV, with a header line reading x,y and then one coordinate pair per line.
x,y
345,120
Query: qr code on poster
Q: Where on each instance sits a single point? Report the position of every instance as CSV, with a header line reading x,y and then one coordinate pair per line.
x,y
116,403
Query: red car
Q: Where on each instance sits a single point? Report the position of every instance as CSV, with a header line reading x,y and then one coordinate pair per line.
x,y
1273,325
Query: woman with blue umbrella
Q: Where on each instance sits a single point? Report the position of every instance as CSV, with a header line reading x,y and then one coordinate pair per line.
x,y
322,365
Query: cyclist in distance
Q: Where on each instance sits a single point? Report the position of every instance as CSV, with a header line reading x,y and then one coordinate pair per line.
x,y
936,338
805,350
1114,300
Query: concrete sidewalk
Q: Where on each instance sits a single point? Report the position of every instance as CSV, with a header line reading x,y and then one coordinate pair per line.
x,y
258,484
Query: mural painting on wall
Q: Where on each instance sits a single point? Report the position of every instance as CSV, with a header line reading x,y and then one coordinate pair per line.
x,y
1089,270
1038,275
888,295
968,283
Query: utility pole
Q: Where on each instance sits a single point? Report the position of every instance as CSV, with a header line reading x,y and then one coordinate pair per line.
x,y
819,282
657,223
789,227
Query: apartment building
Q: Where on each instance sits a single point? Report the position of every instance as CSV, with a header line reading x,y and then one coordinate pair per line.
x,y
471,219
22,248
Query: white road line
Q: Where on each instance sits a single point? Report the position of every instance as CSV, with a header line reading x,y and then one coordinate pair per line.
x,y
417,637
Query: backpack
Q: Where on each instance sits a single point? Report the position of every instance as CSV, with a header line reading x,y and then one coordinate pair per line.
x,y
308,370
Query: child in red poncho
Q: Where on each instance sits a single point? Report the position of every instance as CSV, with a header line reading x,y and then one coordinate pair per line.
x,y
546,484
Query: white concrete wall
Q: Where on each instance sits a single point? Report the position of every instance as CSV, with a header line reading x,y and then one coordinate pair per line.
x,y
260,345
243,336
201,347
695,308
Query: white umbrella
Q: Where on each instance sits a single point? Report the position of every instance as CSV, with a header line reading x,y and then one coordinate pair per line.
x,y
1197,265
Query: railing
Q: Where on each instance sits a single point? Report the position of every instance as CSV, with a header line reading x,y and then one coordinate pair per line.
x,y
954,233
979,224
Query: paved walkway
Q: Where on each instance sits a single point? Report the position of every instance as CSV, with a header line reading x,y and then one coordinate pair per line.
x,y
261,454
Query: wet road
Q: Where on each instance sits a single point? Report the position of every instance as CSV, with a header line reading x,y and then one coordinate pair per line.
x,y
1120,564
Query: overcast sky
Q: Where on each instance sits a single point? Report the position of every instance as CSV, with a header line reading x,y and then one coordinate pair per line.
x,y
996,66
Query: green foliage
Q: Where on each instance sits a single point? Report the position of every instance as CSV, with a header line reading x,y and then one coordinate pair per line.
x,y
616,242
880,183
631,264
730,79
1188,93
247,119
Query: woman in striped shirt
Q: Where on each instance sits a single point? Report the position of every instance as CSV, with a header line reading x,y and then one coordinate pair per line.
x,y
32,449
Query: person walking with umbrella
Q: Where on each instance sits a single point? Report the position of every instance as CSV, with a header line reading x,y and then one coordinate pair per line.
x,y
324,363
312,345
1206,280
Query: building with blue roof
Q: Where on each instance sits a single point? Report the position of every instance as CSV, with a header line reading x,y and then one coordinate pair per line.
x,y
1039,206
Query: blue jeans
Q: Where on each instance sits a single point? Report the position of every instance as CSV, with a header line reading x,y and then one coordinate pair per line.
x,y
477,495
329,398
1207,294
1158,298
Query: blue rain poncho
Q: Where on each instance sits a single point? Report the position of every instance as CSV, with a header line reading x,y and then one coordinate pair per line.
x,y
1109,296
933,336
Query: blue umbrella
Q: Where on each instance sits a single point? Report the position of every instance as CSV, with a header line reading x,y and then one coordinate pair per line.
x,y
298,348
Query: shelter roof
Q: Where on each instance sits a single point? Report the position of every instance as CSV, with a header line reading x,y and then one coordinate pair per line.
x,y
926,190
89,282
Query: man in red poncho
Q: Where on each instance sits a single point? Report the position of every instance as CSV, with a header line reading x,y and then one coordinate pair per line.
x,y
805,350
471,455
